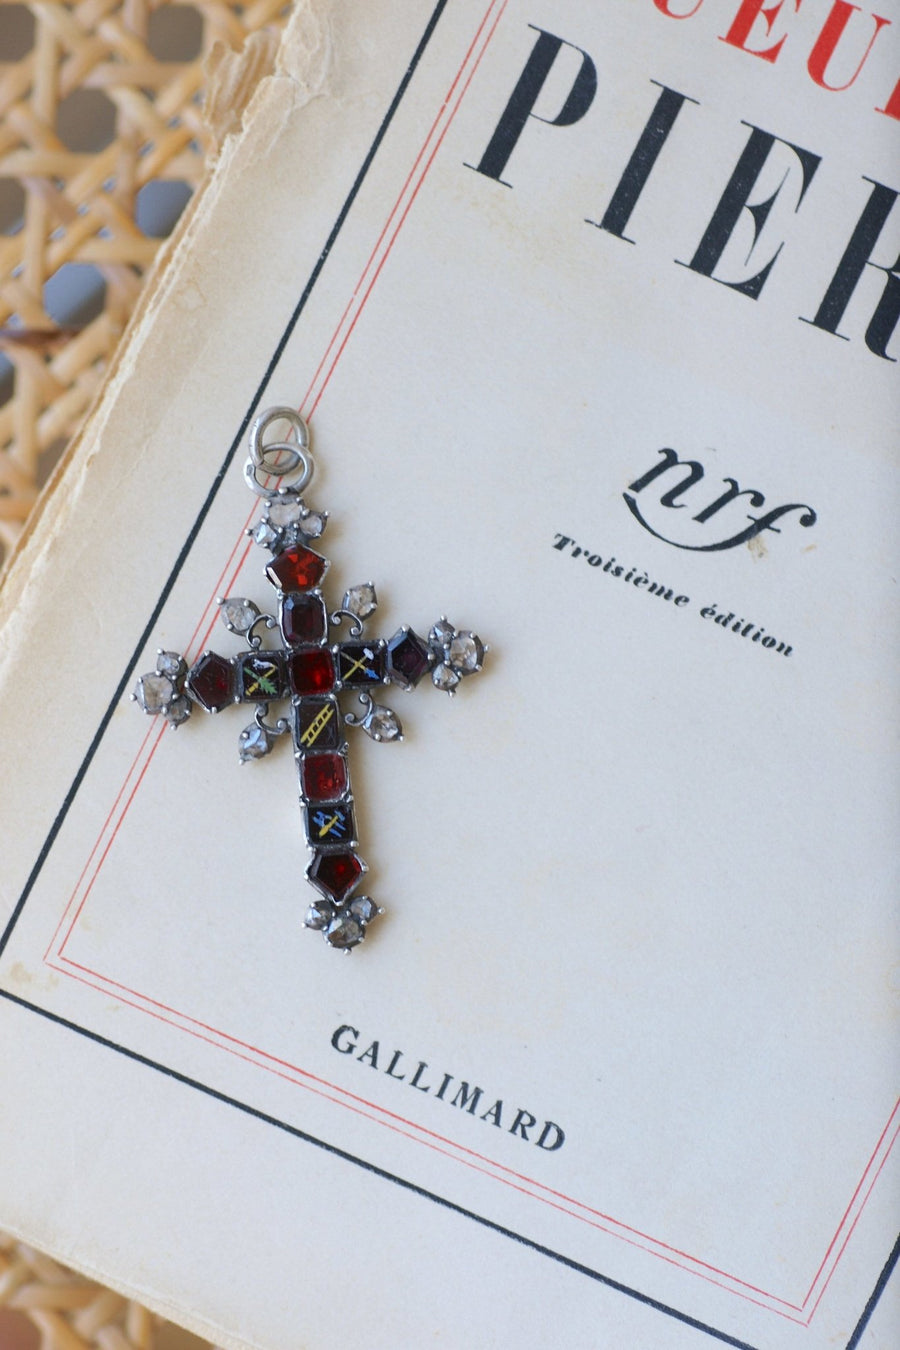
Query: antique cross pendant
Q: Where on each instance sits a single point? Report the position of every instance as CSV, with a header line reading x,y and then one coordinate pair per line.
x,y
311,671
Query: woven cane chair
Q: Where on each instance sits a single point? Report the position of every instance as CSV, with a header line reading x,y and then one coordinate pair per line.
x,y
102,140
43,1306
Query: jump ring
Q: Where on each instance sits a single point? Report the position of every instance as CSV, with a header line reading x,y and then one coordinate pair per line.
x,y
269,493
265,420
279,459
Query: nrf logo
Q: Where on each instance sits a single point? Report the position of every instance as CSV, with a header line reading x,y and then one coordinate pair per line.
x,y
724,520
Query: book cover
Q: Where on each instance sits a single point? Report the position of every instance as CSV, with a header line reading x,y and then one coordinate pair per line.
x,y
590,311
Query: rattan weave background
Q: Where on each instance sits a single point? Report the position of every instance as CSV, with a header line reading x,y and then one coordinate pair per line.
x,y
44,1306
58,1309
99,102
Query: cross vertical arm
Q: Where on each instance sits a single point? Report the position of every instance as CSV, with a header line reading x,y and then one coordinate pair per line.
x,y
311,670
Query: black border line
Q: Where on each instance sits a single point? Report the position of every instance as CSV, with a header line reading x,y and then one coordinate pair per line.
x,y
385,1175
220,475
880,1286
69,798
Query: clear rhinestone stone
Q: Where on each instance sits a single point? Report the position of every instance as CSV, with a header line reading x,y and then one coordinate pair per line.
x,y
266,535
364,908
442,633
361,601
254,742
319,914
171,664
444,677
313,524
154,692
383,724
344,931
179,710
284,510
238,614
466,653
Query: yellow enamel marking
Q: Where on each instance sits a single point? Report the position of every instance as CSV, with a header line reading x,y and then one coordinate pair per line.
x,y
258,682
357,665
329,825
317,725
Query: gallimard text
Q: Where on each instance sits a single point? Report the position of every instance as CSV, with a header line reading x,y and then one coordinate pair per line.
x,y
444,1087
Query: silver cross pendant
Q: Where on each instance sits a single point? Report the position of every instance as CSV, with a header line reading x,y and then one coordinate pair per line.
x,y
310,669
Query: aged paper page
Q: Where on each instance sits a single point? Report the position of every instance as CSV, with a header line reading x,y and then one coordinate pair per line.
x,y
591,311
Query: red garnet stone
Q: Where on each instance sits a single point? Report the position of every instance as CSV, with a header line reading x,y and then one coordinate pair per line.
x,y
210,682
303,619
311,671
335,873
297,569
324,777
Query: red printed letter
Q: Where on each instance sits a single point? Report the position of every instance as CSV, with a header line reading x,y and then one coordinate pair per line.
x,y
744,20
892,107
663,7
829,38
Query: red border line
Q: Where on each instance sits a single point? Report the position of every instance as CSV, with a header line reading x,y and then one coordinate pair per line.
x,y
852,1226
392,1120
265,1060
438,142
453,1156
304,406
580,1210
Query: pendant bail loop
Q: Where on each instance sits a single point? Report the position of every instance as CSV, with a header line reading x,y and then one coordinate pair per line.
x,y
279,459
